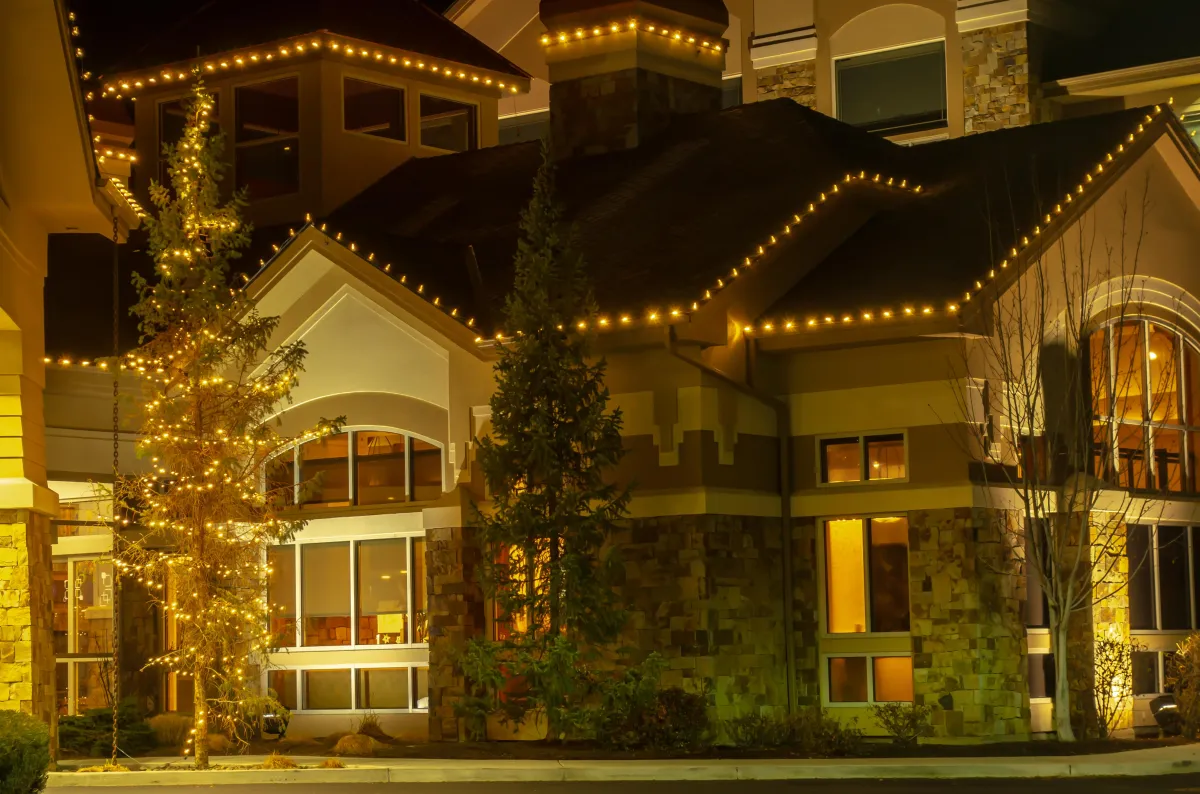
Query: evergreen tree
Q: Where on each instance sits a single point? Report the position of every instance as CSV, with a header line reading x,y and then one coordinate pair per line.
x,y
211,388
551,510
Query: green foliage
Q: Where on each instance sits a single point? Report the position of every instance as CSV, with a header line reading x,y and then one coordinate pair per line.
x,y
90,733
24,753
810,731
635,712
1112,680
1183,678
170,729
905,722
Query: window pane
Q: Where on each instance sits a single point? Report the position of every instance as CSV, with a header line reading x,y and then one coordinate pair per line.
x,y
1174,587
325,471
325,581
894,90
267,169
446,124
326,689
283,683
885,457
1037,615
1131,452
420,616
62,600
1145,673
1193,442
93,686
427,470
1141,578
268,110
846,590
1041,675
62,688
373,109
1164,375
1098,369
421,691
1102,455
1168,461
1130,362
383,688
383,592
848,680
281,594
379,467
893,679
1191,371
281,479
889,574
841,460
92,599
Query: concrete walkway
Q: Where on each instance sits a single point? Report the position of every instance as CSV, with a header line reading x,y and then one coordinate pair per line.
x,y
1156,761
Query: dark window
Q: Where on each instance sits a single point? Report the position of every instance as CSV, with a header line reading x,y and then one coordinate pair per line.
x,y
281,479
1037,613
1174,586
1145,673
894,91
427,470
841,460
1196,570
1170,661
731,92
373,109
848,679
379,467
281,594
266,136
383,688
449,125
1041,675
1141,578
283,684
326,689
889,574
325,471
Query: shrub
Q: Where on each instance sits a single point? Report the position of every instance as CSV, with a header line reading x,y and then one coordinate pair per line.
x,y
90,733
906,722
170,730
634,712
810,731
277,761
218,743
331,763
24,753
1183,678
1112,680
355,744
369,726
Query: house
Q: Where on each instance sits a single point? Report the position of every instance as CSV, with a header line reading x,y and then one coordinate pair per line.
x,y
785,301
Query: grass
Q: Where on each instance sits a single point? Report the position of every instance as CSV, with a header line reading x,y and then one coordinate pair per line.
x,y
104,768
331,763
277,761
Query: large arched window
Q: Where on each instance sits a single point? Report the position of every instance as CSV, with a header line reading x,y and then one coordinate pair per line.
x,y
359,468
1145,385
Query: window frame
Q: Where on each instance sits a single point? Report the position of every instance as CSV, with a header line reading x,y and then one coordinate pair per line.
x,y
870,656
1190,532
932,127
1029,654
476,144
864,464
823,572
74,659
233,144
1160,675
352,669
378,80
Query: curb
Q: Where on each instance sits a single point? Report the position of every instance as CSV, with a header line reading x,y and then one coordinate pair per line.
x,y
646,771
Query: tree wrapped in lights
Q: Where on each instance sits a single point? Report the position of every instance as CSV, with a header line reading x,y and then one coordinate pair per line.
x,y
212,384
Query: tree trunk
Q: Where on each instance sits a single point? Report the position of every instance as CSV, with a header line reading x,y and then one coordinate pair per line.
x,y
200,722
1062,686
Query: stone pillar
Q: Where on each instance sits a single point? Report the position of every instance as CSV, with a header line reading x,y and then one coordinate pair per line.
x,y
969,650
999,87
805,619
456,614
26,619
796,81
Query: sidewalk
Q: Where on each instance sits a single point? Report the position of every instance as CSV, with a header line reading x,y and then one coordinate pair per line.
x,y
1156,761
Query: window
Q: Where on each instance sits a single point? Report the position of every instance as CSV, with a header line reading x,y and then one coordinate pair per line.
x,y
449,125
384,688
1037,613
1163,567
858,458
900,90
1145,673
283,684
267,138
383,591
88,515
400,688
1041,675
82,589
326,593
866,564
867,679
172,118
326,689
281,594
1145,394
373,109
359,467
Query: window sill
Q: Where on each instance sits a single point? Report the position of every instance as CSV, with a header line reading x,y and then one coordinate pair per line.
x,y
356,510
358,134
879,482
414,646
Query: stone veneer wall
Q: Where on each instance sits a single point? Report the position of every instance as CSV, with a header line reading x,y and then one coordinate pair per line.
x,y
805,620
456,614
705,592
969,649
796,81
26,619
999,89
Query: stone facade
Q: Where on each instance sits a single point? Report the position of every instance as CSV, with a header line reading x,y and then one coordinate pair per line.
x,y
796,81
969,648
26,620
805,615
456,614
999,89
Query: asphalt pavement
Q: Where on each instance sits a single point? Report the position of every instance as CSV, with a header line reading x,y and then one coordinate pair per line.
x,y
1173,783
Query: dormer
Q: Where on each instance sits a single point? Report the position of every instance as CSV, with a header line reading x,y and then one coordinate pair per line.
x,y
319,100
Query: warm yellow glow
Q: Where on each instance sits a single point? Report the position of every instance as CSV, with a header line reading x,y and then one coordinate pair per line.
x,y
845,576
893,679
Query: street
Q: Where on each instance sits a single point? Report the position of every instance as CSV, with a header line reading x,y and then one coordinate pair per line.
x,y
1172,783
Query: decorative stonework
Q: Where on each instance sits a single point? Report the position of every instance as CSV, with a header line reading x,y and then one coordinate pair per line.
x,y
797,81
969,650
805,621
998,89
456,614
26,620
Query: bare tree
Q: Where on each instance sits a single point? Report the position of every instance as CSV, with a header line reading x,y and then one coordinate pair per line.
x,y
1055,361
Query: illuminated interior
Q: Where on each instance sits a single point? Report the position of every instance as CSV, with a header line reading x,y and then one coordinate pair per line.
x,y
846,584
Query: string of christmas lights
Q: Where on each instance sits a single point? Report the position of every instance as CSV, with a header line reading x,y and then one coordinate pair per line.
x,y
634,25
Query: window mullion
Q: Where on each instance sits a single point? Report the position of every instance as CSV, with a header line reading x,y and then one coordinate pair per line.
x,y
869,616
352,462
1155,577
408,469
354,641
410,629
870,679
299,627
1148,408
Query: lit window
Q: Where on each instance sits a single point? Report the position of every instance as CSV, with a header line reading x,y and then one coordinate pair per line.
x,y
380,468
373,109
325,581
448,125
858,458
383,592
325,471
267,138
848,680
866,565
885,457
841,460
326,689
893,679
1164,569
900,90
864,679
281,594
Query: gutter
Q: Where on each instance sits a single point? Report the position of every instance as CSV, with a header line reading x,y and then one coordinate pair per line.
x,y
783,428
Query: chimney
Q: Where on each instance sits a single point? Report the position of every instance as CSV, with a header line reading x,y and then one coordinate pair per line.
x,y
620,69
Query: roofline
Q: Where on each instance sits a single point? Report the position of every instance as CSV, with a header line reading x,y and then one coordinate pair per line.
x,y
457,8
1083,85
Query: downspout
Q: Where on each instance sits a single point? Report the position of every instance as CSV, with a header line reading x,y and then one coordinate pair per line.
x,y
783,427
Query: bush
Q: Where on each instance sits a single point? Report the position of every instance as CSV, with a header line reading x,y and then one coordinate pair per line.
x,y
355,744
906,722
90,733
331,763
634,712
277,761
24,753
170,730
810,731
1183,678
369,726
